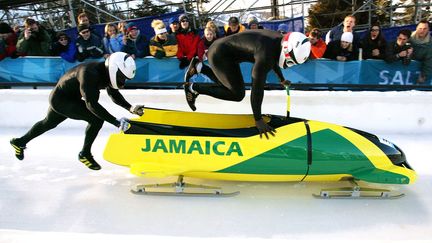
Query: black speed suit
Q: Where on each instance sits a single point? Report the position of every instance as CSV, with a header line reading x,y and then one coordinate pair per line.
x,y
76,96
261,47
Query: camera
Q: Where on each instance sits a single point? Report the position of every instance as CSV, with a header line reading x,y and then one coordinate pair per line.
x,y
406,59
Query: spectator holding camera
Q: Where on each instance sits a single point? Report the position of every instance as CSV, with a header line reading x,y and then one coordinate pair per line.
x,y
400,49
134,43
88,44
162,44
422,44
34,40
8,41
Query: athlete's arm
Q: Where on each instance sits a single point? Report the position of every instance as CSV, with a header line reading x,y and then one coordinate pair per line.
x,y
118,98
259,75
90,93
278,72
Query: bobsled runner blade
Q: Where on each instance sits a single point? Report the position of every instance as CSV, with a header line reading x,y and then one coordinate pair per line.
x,y
364,193
181,188
357,192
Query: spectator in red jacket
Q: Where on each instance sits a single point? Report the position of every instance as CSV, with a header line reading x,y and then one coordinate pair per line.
x,y
318,46
8,40
205,42
187,40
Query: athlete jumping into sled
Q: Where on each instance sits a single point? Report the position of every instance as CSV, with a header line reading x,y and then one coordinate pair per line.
x,y
268,50
76,96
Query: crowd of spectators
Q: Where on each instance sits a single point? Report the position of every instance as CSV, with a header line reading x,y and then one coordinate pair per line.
x,y
180,39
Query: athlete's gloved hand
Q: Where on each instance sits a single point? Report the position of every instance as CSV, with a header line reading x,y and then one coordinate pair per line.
x,y
264,128
124,124
183,62
137,110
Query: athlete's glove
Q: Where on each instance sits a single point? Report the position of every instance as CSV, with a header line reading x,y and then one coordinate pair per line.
x,y
137,110
124,124
264,128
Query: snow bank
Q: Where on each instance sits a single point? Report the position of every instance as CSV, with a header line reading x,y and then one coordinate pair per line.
x,y
401,112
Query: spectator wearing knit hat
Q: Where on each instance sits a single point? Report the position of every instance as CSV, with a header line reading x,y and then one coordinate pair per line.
x,y
233,26
187,41
88,44
283,29
162,44
64,48
135,43
342,50
174,25
8,41
253,23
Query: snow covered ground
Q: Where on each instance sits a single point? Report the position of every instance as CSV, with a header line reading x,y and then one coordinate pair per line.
x,y
51,197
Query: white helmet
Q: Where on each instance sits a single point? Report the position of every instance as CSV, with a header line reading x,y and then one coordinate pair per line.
x,y
120,67
295,49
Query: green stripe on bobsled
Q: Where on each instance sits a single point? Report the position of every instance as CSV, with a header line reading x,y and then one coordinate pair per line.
x,y
332,154
287,159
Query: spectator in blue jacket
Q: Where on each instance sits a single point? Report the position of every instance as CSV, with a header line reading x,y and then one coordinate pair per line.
x,y
135,44
112,41
64,47
88,45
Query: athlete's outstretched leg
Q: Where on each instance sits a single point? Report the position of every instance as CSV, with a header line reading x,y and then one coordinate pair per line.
x,y
49,122
77,110
92,130
91,133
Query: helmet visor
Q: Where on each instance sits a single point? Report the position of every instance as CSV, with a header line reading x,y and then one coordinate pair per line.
x,y
121,79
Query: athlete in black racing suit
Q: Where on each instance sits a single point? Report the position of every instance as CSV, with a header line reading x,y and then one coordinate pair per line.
x,y
76,96
268,50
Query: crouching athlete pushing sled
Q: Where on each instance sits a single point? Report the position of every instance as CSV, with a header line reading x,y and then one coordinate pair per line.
x,y
267,49
76,96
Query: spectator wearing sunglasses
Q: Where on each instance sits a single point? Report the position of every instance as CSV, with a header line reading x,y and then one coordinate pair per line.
x,y
374,43
318,46
64,48
88,44
187,41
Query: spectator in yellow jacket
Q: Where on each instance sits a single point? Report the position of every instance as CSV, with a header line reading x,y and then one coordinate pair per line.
x,y
162,44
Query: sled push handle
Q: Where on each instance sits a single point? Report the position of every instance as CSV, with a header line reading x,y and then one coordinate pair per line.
x,y
287,84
